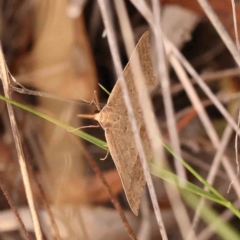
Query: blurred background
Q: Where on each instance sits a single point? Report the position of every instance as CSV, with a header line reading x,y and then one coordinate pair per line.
x,y
61,48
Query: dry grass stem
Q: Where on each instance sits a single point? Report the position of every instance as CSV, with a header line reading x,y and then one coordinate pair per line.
x,y
21,159
224,98
119,70
209,77
196,102
236,154
173,195
149,18
145,225
207,124
21,89
221,30
224,112
235,24
205,120
143,8
213,170
174,134
11,204
203,165
180,211
165,84
168,104
203,85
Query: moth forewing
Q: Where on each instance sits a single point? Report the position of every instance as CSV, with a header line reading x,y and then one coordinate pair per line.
x,y
118,132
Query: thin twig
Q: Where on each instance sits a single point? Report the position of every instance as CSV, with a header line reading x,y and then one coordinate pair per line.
x,y
196,102
214,138
206,102
23,90
21,158
193,73
172,192
213,170
165,84
203,85
145,11
209,77
11,204
236,154
208,126
118,67
113,198
194,99
144,100
197,161
180,211
145,225
162,70
220,29
235,24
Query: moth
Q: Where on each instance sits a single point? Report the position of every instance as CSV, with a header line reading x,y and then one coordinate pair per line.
x,y
113,118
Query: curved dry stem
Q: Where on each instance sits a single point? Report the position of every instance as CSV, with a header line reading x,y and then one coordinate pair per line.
x,y
21,158
15,211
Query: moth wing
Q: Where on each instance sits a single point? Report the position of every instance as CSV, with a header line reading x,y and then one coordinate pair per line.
x,y
122,146
128,165
143,50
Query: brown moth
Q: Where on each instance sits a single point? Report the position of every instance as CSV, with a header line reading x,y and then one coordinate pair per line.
x,y
118,132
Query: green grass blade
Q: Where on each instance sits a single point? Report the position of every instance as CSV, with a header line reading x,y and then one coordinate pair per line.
x,y
190,169
216,197
209,216
104,89
174,179
65,126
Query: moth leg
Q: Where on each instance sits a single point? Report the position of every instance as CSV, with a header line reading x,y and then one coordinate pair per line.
x,y
105,156
89,126
94,101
